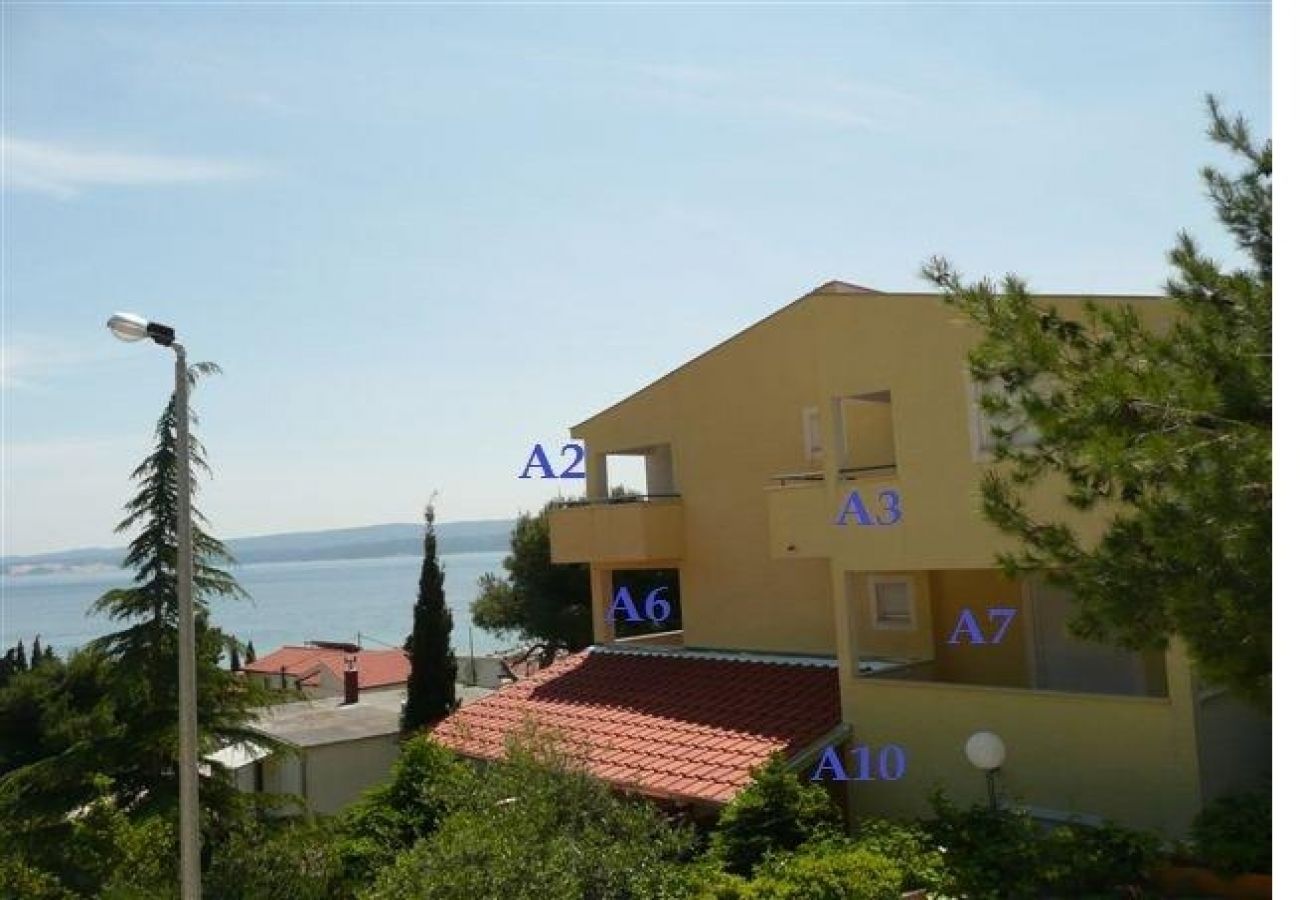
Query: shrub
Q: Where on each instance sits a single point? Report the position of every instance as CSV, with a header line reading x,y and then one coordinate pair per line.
x,y
534,826
18,879
286,860
987,853
777,811
428,780
907,846
827,871
1080,859
1235,834
1005,854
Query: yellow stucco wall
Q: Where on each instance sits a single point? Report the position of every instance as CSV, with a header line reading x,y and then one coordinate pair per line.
x,y
734,418
1005,663
1131,759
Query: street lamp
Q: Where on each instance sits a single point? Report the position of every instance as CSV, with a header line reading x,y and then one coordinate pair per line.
x,y
129,327
986,751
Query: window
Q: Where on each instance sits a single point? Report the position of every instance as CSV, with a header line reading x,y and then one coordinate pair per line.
x,y
984,422
812,433
893,604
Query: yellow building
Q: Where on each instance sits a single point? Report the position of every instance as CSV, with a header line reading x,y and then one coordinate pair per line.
x,y
751,452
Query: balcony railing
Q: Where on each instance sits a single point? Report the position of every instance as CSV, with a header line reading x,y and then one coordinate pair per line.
x,y
848,473
612,501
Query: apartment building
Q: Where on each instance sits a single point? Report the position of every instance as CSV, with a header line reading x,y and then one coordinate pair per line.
x,y
812,495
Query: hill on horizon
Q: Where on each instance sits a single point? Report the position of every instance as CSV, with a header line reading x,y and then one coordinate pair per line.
x,y
363,542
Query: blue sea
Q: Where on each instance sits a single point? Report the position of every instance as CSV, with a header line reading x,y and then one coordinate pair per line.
x,y
291,602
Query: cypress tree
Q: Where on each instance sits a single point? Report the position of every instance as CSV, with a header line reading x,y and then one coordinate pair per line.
x,y
233,652
37,653
431,686
140,754
250,655
20,658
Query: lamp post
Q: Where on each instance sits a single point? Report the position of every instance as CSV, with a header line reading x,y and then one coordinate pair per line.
x,y
128,327
986,751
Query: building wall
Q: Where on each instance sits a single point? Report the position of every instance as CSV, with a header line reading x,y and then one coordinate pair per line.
x,y
338,773
1129,759
734,419
1233,743
1005,663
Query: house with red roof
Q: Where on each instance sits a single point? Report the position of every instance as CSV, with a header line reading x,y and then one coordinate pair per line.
x,y
811,517
317,668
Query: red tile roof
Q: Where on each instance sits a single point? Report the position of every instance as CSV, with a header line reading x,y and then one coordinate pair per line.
x,y
378,668
677,726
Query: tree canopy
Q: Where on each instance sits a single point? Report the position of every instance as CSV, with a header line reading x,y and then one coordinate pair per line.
x,y
1167,429
103,727
542,602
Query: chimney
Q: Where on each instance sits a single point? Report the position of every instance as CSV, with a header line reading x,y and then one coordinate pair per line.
x,y
351,680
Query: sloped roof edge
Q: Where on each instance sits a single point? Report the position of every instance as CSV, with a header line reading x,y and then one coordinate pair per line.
x,y
834,286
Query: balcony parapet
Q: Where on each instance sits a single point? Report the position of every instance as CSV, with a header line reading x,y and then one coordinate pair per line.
x,y
609,530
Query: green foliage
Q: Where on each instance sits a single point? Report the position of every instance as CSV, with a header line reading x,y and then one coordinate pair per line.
x,y
1082,860
534,826
539,601
427,780
777,811
97,852
1004,854
1168,429
19,879
431,686
285,860
832,870
906,845
139,754
987,853
1235,834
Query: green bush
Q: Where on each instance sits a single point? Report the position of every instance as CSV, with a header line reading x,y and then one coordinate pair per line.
x,y
278,860
1079,859
18,879
534,826
827,871
777,811
909,847
428,780
987,854
1005,854
1235,834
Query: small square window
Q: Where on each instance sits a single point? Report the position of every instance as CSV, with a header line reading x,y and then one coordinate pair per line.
x,y
892,603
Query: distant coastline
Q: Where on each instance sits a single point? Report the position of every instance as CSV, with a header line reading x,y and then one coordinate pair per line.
x,y
367,542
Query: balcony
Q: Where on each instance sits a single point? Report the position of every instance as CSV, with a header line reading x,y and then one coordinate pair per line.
x,y
635,529
802,511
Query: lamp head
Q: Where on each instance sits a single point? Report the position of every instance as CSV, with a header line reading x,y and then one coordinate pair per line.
x,y
130,327
986,751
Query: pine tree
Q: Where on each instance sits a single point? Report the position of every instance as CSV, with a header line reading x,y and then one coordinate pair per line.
x,y
431,686
540,601
141,755
1169,430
